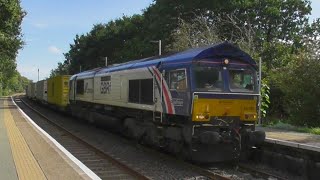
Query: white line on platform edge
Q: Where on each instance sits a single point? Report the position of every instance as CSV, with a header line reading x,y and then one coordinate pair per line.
x,y
83,167
293,144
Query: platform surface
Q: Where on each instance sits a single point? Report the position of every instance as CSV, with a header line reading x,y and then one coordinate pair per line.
x,y
297,139
26,153
7,167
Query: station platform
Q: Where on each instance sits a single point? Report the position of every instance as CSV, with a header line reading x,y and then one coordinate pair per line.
x,y
28,154
292,138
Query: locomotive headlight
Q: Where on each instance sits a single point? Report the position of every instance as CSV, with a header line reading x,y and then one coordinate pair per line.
x,y
201,112
226,61
202,116
250,116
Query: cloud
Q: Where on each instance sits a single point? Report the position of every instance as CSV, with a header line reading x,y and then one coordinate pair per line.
x,y
31,72
40,25
54,50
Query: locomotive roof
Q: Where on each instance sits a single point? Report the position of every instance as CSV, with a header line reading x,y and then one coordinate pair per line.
x,y
213,52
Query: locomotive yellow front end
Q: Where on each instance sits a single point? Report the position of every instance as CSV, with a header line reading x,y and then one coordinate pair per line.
x,y
224,110
205,110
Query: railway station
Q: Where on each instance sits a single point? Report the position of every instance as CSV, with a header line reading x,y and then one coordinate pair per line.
x,y
160,89
28,152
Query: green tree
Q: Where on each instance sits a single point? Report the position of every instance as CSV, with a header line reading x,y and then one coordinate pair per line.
x,y
299,80
127,38
11,15
62,69
120,40
276,30
15,84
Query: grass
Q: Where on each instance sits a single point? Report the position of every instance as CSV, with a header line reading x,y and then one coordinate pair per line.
x,y
315,130
282,124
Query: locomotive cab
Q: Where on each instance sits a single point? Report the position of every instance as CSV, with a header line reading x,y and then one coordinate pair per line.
x,y
224,104
222,91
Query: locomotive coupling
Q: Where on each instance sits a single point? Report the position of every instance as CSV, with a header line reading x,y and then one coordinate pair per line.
x,y
210,137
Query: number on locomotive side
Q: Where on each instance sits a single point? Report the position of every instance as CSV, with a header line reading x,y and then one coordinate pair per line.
x,y
105,87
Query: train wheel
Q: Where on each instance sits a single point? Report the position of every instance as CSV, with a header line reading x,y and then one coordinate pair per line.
x,y
128,127
185,153
173,146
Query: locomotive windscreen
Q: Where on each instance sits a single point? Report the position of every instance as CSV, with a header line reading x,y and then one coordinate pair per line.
x,y
208,78
242,80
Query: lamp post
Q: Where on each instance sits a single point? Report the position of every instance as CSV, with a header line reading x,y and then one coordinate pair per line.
x,y
159,42
260,98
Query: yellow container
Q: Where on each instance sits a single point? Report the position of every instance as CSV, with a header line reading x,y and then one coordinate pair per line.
x,y
58,90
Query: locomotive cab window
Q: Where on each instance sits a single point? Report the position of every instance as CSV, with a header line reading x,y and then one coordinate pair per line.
x,y
141,91
178,79
80,87
242,80
208,78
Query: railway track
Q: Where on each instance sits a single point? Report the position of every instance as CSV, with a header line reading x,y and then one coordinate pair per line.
x,y
108,167
258,173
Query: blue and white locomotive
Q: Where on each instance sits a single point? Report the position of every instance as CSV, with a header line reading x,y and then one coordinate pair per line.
x,y
201,103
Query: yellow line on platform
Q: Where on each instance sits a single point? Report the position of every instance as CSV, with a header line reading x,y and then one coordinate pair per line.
x,y
26,165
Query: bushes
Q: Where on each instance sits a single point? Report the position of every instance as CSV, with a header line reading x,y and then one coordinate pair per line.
x,y
265,98
15,84
295,81
300,83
